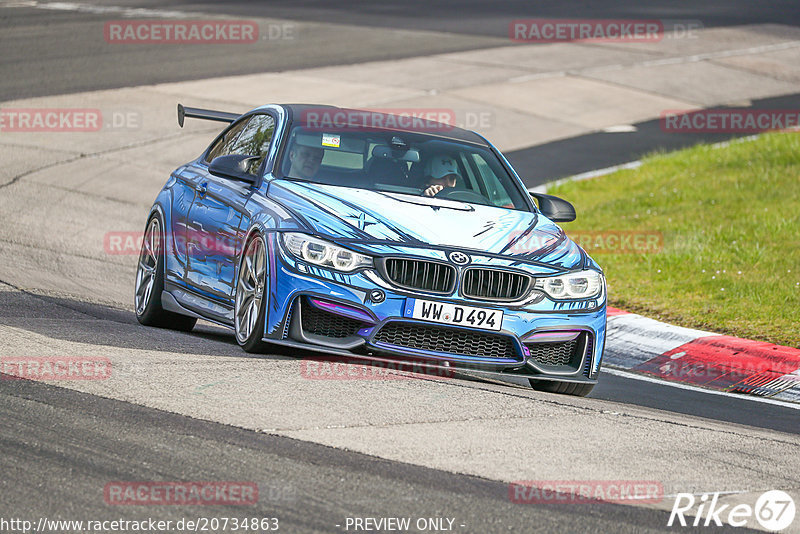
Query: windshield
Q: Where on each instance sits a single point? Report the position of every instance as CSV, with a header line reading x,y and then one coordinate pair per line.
x,y
400,162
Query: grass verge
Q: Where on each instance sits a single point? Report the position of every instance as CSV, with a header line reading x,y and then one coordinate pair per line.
x,y
729,223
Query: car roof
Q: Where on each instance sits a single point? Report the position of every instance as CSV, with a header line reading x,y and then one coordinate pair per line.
x,y
446,131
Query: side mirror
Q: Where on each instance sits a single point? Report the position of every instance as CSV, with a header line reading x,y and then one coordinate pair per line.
x,y
233,166
554,208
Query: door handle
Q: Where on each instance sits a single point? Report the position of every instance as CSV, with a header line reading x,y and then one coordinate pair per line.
x,y
202,188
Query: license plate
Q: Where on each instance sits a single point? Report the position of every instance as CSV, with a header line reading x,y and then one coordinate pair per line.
x,y
455,314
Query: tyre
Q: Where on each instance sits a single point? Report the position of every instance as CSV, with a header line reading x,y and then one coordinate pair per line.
x,y
150,283
565,388
250,308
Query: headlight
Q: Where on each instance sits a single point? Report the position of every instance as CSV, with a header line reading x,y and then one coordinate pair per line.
x,y
322,253
583,285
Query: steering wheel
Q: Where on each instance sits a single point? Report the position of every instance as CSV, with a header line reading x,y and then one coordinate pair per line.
x,y
462,195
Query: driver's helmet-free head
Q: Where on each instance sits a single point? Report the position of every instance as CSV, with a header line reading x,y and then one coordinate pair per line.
x,y
442,165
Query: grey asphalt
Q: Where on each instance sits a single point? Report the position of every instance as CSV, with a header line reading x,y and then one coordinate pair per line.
x,y
48,52
60,447
83,317
598,150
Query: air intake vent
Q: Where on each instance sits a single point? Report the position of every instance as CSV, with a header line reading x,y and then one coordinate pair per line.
x,y
555,354
566,355
322,323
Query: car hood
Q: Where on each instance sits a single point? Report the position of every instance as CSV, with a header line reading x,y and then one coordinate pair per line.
x,y
374,217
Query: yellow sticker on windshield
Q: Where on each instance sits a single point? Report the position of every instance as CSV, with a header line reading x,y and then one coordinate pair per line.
x,y
330,140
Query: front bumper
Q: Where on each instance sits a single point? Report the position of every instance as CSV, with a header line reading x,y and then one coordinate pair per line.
x,y
541,344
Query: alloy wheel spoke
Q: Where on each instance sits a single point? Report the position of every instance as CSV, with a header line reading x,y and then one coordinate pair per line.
x,y
148,291
248,298
144,281
148,262
253,315
147,269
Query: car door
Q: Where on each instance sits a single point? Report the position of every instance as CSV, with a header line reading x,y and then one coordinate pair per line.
x,y
188,182
217,218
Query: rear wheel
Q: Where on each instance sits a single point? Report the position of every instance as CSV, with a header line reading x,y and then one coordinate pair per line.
x,y
565,388
250,308
150,284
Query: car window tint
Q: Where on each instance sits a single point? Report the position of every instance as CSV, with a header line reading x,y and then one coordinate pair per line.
x,y
469,178
251,136
346,159
496,191
343,160
223,145
255,139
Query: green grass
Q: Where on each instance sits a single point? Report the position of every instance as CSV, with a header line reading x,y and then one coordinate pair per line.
x,y
730,220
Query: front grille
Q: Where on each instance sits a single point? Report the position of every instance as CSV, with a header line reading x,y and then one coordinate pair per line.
x,y
420,274
494,284
443,339
322,323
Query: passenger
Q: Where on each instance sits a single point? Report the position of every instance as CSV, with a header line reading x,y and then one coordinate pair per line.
x,y
443,173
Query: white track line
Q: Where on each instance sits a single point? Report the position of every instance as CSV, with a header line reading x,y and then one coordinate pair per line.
x,y
680,385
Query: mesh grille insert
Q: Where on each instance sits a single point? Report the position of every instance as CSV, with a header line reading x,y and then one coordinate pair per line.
x,y
570,354
448,340
322,323
560,353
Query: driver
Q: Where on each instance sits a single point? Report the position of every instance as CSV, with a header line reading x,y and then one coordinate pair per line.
x,y
443,173
305,161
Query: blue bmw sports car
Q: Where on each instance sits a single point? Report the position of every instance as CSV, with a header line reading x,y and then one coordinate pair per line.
x,y
372,235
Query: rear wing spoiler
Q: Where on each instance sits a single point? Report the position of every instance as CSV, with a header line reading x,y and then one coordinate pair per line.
x,y
207,114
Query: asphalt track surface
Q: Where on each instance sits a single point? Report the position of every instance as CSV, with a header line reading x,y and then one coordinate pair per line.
x,y
59,447
599,150
71,444
60,51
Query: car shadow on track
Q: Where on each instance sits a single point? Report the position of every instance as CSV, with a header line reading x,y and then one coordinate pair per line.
x,y
72,320
76,321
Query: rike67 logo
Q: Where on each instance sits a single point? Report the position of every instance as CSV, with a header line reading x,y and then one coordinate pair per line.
x,y
774,511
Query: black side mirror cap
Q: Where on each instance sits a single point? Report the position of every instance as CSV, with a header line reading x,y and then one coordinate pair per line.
x,y
233,166
554,208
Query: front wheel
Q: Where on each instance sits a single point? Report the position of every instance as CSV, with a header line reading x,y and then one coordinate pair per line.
x,y
150,284
250,308
565,388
